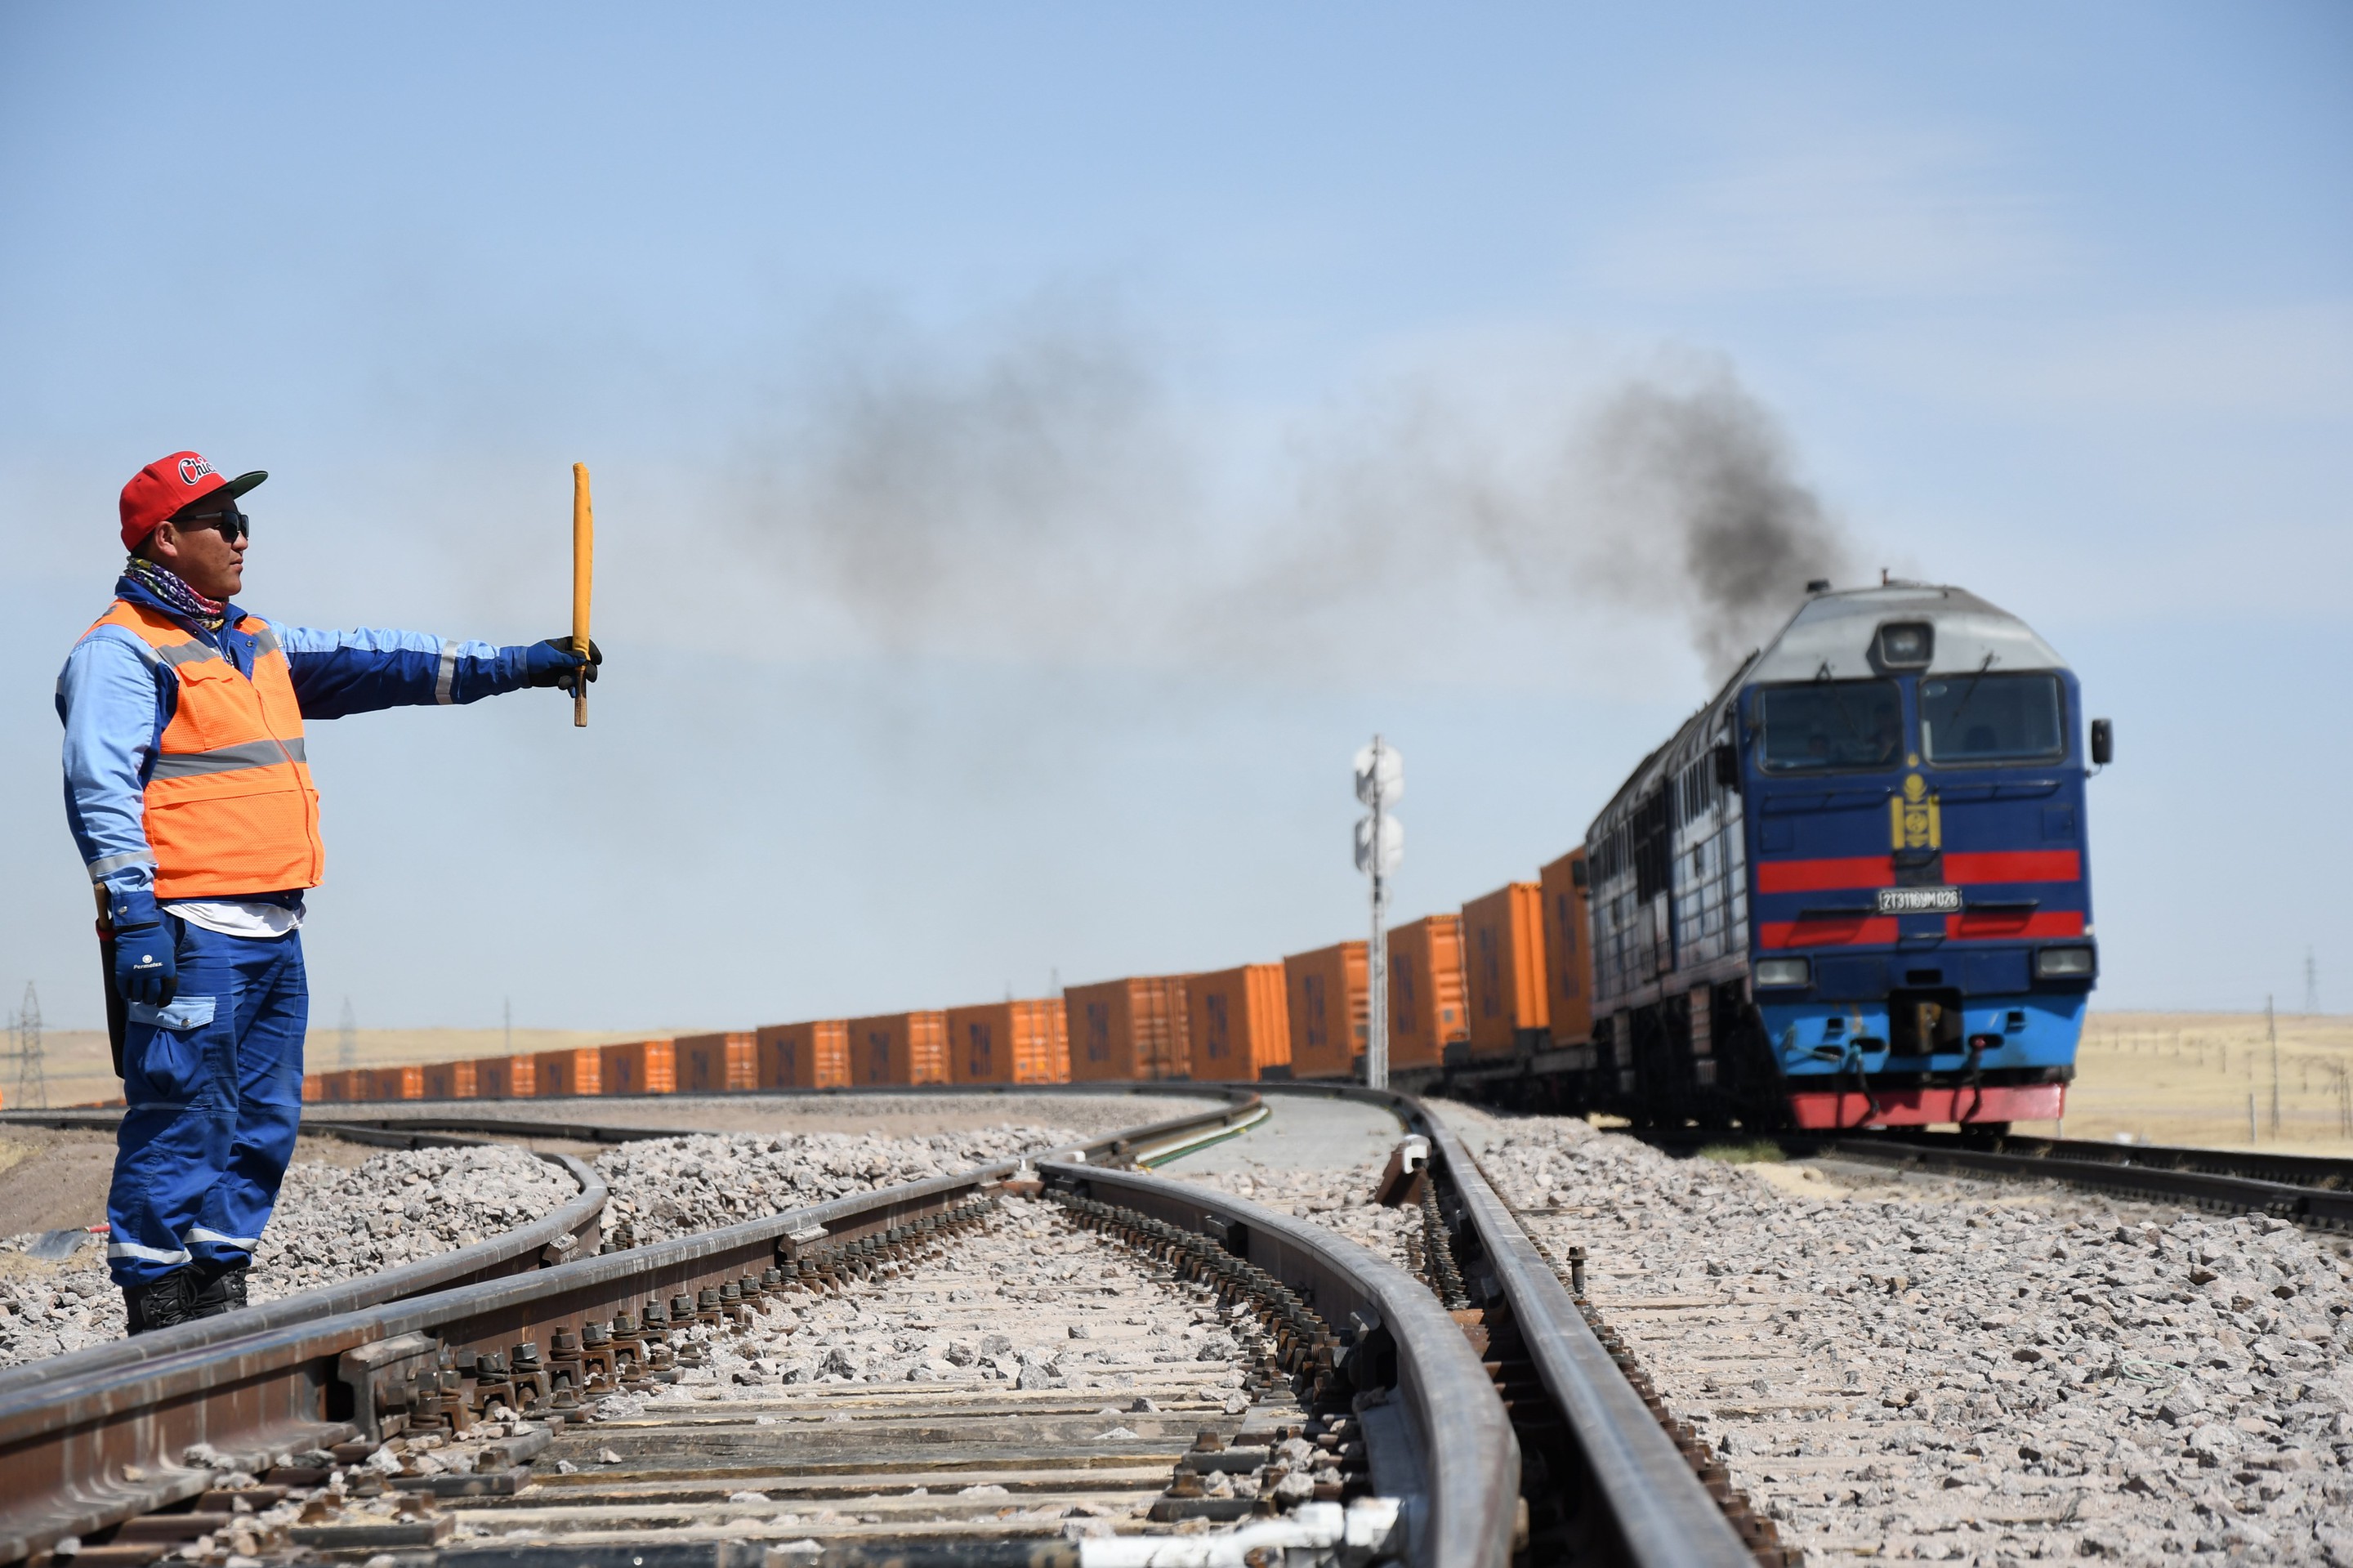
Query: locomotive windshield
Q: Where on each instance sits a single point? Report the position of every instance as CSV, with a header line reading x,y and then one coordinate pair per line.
x,y
1991,718
1830,723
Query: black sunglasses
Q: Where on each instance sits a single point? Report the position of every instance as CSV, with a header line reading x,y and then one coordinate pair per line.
x,y
228,522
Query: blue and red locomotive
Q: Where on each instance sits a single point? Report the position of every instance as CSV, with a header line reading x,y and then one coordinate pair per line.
x,y
1853,890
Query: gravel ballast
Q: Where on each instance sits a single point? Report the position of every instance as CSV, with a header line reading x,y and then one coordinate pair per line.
x,y
1963,1370
668,1187
333,1223
1338,1199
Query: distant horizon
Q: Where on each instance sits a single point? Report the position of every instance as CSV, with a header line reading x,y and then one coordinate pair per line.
x,y
622,1034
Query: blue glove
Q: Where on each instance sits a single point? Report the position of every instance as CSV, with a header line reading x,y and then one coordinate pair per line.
x,y
146,968
554,663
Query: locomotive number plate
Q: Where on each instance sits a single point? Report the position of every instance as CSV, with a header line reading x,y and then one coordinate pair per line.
x,y
1919,901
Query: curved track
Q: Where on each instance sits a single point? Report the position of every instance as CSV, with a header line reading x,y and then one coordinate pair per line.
x,y
1418,1418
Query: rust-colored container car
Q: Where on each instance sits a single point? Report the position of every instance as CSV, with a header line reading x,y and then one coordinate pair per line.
x,y
448,1080
814,1055
1569,957
899,1048
557,1073
1426,1009
505,1077
1128,1029
1008,1043
636,1068
1239,1024
1330,1008
716,1064
335,1088
1504,970
395,1083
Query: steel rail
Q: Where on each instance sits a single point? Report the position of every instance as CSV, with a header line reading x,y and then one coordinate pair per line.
x,y
572,1229
1461,1508
1650,1508
2322,1207
90,1439
2257,1164
1637,1500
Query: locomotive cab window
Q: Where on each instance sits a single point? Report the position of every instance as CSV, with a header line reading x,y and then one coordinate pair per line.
x,y
1991,718
1828,725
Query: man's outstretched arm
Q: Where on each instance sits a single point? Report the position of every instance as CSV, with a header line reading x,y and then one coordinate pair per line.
x,y
361,671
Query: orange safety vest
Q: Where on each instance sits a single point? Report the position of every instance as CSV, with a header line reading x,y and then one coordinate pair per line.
x,y
230,810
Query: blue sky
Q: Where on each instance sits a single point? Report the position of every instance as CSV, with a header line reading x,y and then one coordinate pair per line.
x,y
1035,446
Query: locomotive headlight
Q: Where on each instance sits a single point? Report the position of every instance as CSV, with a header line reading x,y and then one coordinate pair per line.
x,y
1784,971
2063,964
1906,644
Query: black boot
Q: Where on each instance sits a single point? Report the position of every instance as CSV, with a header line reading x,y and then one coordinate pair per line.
x,y
219,1291
161,1303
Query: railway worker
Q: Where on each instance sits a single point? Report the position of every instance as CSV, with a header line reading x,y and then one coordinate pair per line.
x,y
188,796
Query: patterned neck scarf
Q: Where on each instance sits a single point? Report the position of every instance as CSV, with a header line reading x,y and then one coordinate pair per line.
x,y
165,584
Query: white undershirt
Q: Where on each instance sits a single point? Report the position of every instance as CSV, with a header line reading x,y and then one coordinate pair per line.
x,y
250,918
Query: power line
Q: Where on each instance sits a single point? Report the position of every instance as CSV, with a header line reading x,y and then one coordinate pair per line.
x,y
2311,985
347,1038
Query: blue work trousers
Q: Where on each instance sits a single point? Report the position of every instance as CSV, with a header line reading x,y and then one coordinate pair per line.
x,y
213,1087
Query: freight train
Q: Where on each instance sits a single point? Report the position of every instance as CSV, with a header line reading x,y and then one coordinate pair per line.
x,y
1852,890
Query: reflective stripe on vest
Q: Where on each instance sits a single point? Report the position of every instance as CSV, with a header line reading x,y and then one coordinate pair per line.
x,y
228,759
230,808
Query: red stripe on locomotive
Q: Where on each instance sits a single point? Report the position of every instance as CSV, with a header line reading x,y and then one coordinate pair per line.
x,y
1825,876
1923,1107
2014,865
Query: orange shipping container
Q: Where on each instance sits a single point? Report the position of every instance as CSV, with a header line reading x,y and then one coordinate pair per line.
x,y
395,1083
1128,1029
716,1064
333,1087
1426,1010
1008,1043
448,1080
636,1068
1330,1009
814,1055
1569,957
505,1077
1239,1023
557,1073
1503,969
899,1048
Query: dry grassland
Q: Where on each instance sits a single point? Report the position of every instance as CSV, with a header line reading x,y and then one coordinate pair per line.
x,y
80,1071
2186,1077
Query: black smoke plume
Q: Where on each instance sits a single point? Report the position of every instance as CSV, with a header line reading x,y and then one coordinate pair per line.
x,y
1041,495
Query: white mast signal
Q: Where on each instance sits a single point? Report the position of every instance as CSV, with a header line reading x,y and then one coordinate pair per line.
x,y
1390,775
1392,843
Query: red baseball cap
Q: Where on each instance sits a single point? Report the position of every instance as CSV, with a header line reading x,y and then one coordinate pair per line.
x,y
165,485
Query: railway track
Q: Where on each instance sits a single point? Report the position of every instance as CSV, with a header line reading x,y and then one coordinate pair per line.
x,y
1939,1365
2306,1190
876,1377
